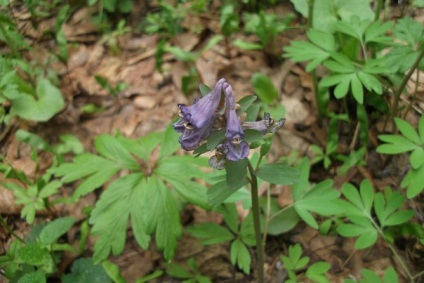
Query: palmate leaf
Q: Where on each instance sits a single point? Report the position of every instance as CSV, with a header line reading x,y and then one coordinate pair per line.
x,y
316,51
151,208
122,199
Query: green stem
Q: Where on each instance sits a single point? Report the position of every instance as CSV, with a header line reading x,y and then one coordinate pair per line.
x,y
378,9
318,103
392,248
257,223
5,225
404,82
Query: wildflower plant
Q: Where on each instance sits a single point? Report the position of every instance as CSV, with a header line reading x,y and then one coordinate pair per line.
x,y
216,123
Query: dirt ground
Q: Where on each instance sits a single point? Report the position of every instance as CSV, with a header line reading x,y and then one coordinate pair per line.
x,y
149,104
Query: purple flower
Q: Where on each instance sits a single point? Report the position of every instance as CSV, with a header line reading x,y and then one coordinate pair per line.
x,y
196,121
267,126
236,147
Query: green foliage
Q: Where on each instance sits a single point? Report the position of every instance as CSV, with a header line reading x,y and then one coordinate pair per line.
x,y
266,26
130,198
35,258
167,21
294,262
321,198
410,141
190,274
358,209
369,276
84,270
239,235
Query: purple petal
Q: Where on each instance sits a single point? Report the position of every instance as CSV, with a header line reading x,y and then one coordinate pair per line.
x,y
237,150
192,137
200,113
266,126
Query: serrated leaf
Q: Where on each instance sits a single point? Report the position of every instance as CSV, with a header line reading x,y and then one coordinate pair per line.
x,y
55,229
164,219
112,211
111,148
278,173
240,255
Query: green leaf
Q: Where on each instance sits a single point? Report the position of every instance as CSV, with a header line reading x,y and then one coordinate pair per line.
x,y
421,129
417,158
240,255
395,144
236,172
315,52
33,277
278,173
55,229
246,45
414,181
164,218
283,221
328,12
123,197
294,261
113,272
170,142
408,131
264,88
47,103
316,272
33,254
409,31
111,148
390,275
366,232
177,271
220,192
210,233
357,90
84,270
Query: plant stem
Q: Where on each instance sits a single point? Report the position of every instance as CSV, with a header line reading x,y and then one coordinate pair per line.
x,y
7,227
318,103
404,82
395,253
378,9
257,223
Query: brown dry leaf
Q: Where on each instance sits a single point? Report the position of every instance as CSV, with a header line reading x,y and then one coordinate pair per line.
x,y
78,57
7,200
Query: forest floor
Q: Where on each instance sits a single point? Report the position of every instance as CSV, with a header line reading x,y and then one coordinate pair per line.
x,y
149,104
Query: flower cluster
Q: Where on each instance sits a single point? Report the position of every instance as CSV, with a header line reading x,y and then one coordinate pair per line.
x,y
199,120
